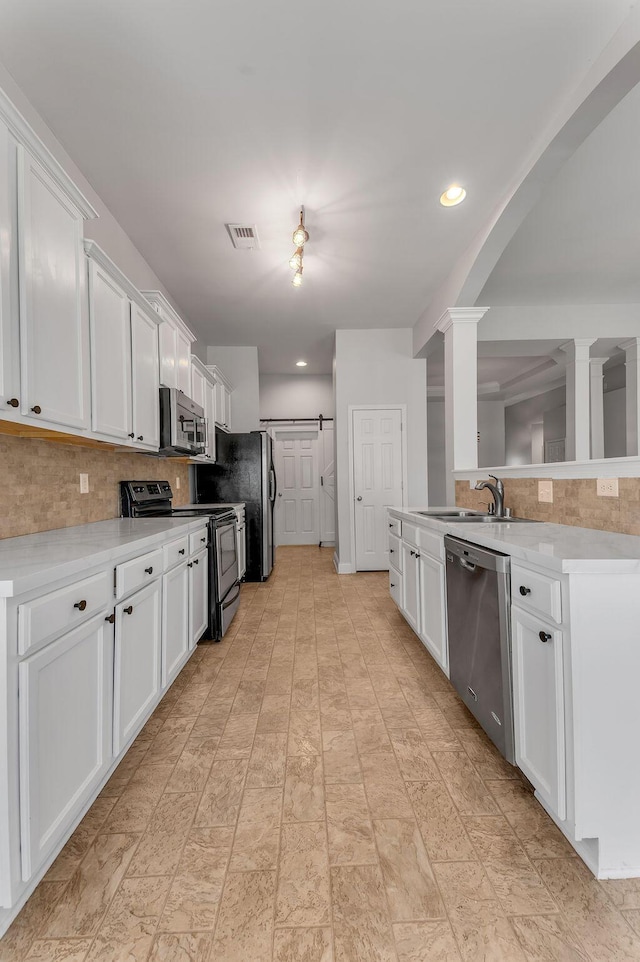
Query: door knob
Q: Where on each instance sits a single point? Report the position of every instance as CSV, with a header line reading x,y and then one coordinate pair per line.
x,y
359,498
279,494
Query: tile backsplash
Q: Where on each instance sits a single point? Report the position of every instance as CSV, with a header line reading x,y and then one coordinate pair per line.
x,y
575,502
40,483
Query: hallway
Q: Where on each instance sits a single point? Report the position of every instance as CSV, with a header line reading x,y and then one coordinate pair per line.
x,y
312,790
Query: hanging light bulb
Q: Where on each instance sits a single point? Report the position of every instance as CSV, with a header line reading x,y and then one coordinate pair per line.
x,y
296,261
300,235
297,278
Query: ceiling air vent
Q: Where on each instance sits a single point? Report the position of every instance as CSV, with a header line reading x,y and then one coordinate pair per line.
x,y
244,236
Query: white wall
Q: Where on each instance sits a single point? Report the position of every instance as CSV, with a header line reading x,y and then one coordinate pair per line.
x,y
491,449
240,365
296,395
548,407
435,452
615,423
378,367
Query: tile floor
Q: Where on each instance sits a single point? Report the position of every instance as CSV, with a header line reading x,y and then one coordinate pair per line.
x,y
312,790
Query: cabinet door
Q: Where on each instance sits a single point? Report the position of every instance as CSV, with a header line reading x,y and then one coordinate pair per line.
x,y
197,386
198,597
53,324
9,319
65,696
241,532
538,696
146,380
110,330
227,408
410,586
168,358
210,414
137,661
183,363
175,621
223,406
433,631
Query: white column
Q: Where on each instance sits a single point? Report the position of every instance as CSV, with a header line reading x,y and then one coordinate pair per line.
x,y
578,444
460,328
597,406
632,350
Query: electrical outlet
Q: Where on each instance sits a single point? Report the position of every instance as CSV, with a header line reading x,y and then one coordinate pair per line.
x,y
177,484
84,484
545,491
607,487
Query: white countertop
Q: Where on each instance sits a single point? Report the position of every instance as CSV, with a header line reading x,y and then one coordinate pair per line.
x,y
34,560
561,547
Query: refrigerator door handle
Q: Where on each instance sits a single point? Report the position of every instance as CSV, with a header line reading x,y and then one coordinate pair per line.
x,y
273,484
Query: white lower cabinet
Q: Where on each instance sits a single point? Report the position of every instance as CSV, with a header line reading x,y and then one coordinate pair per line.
x,y
65,737
410,586
395,585
538,695
432,618
198,597
175,620
138,645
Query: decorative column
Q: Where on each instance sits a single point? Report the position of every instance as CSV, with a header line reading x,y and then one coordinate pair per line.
x,y
578,443
632,350
597,406
460,328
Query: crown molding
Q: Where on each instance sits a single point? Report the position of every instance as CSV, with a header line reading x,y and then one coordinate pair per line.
x,y
460,315
158,299
95,253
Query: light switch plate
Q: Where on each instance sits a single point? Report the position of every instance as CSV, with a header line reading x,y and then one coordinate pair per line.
x,y
84,484
607,487
545,491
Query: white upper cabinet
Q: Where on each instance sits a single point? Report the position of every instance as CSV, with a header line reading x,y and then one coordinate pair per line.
x,y
183,362
203,392
210,414
223,398
110,327
168,355
197,384
9,325
146,375
175,344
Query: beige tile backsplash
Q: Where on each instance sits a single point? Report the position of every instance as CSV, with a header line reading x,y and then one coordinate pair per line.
x,y
40,483
574,502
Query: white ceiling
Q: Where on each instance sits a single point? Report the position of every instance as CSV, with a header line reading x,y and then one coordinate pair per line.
x,y
186,115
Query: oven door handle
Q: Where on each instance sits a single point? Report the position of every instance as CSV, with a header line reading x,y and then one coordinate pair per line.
x,y
226,604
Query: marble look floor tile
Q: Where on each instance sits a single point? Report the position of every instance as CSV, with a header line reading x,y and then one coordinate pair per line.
x,y
437,732
304,733
370,731
212,719
385,789
58,950
633,918
303,881
248,695
441,827
257,839
220,801
191,700
539,836
24,929
513,797
244,929
549,938
412,892
274,714
349,827
130,923
455,711
425,942
414,758
303,789
341,763
161,845
302,945
485,756
361,925
518,886
196,889
188,947
194,764
237,738
623,892
134,808
492,837
88,894
335,714
468,791
268,760
396,713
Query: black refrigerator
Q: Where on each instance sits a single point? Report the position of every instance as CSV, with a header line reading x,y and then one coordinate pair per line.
x,y
244,472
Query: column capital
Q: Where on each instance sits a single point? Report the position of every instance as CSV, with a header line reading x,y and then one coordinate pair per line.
x,y
577,348
598,362
460,315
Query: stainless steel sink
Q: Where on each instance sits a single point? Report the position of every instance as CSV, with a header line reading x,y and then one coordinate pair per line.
x,y
482,519
454,513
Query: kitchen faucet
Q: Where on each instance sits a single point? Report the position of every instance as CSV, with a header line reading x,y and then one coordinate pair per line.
x,y
497,490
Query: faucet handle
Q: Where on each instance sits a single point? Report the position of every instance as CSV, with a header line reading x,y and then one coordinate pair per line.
x,y
499,482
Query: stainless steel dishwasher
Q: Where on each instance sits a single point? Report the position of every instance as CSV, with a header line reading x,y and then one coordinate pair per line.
x,y
478,600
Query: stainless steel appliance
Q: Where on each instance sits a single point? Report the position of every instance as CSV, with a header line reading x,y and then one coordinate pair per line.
x,y
152,499
183,426
243,472
478,599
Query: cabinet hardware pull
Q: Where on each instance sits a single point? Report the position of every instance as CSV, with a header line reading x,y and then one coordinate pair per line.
x,y
196,561
189,564
417,555
412,553
544,636
132,434
181,551
203,539
392,550
141,437
524,591
110,619
81,605
149,571
13,402
391,526
128,610
36,409
392,585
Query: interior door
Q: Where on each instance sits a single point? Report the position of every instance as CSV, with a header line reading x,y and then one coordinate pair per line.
x,y
327,486
297,503
378,481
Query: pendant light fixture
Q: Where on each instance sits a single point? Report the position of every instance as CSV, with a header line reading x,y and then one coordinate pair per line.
x,y
300,235
300,238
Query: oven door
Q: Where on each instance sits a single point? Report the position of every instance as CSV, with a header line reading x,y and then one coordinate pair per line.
x,y
226,558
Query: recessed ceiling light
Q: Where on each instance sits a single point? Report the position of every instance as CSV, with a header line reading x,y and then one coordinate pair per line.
x,y
301,363
453,195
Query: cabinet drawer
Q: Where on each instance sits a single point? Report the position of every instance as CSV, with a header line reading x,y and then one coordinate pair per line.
x,y
395,526
536,592
431,543
42,620
137,572
395,585
395,551
197,540
410,533
175,552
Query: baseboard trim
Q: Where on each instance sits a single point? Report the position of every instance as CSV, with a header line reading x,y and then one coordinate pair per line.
x,y
342,568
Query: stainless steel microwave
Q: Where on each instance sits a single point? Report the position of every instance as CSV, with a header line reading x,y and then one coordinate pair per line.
x,y
183,426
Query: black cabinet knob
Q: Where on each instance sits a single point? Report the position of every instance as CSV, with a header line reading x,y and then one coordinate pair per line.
x,y
110,619
13,402
141,437
189,564
129,610
524,591
132,435
392,585
544,636
36,409
203,540
81,605
181,551
149,571
392,550
196,561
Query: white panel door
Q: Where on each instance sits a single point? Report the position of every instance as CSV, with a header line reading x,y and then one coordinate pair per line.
x,y
168,358
110,327
327,485
183,363
432,622
175,620
53,324
378,482
65,695
9,321
198,597
137,661
210,414
297,504
146,379
197,386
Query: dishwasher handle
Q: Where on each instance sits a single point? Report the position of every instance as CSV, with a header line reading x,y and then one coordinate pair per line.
x,y
467,565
